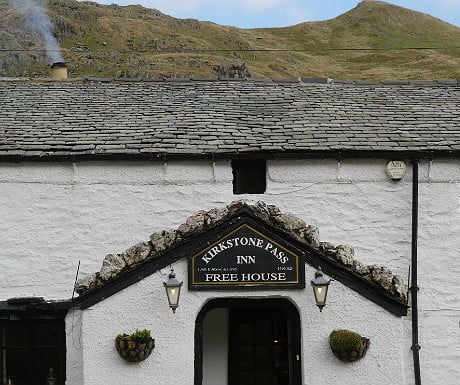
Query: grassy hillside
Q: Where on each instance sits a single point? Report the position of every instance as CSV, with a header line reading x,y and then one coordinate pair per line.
x,y
132,41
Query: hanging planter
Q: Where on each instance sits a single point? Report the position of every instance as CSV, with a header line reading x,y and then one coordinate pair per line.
x,y
348,346
135,347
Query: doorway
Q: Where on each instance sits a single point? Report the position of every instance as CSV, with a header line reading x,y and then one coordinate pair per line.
x,y
248,342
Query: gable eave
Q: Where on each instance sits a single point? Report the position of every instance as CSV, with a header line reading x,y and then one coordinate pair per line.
x,y
244,215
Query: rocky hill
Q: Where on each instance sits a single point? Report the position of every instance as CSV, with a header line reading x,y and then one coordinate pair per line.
x,y
132,41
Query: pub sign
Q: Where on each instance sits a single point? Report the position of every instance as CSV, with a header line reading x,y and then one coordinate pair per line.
x,y
246,257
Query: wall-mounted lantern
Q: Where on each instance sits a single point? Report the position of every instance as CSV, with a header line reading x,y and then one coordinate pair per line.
x,y
320,287
173,290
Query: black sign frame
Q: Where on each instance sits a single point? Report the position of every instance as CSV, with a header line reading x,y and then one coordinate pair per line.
x,y
247,256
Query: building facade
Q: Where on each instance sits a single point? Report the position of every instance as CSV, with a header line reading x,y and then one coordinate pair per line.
x,y
127,179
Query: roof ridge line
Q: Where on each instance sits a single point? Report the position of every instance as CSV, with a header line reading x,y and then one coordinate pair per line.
x,y
300,80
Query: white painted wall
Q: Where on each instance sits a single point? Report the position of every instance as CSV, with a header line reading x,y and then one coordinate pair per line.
x,y
144,305
215,347
74,347
52,215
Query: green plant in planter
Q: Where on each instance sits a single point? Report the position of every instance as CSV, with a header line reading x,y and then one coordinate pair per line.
x,y
135,347
347,345
138,335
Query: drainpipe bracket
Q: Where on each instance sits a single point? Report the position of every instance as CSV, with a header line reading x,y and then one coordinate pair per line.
x,y
416,347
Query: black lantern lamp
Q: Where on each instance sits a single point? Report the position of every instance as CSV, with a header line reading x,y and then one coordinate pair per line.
x,y
320,286
173,290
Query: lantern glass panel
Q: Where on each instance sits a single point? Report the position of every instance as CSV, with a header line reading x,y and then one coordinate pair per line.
x,y
320,294
173,295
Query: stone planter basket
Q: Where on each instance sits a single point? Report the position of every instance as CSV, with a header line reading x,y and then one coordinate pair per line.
x,y
348,346
134,350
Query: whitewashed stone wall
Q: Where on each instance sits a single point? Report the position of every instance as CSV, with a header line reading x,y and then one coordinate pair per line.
x,y
53,215
74,347
144,305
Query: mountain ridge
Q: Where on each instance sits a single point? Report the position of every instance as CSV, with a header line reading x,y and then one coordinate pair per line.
x,y
373,41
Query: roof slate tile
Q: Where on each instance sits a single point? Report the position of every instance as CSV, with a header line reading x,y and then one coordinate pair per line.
x,y
226,117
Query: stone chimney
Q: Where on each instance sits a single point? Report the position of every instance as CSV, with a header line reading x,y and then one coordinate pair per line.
x,y
59,70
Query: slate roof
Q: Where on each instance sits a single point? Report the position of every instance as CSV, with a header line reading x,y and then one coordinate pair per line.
x,y
184,117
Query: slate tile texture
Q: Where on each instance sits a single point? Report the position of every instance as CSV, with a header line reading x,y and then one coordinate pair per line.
x,y
141,116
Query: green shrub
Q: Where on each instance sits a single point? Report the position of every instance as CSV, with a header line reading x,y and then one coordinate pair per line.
x,y
138,335
345,340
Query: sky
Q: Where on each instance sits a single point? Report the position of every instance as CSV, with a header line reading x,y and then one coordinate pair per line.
x,y
278,13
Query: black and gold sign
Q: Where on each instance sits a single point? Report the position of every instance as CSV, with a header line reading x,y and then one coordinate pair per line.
x,y
246,257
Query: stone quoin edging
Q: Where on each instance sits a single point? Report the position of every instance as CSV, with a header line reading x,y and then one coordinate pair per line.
x,y
116,264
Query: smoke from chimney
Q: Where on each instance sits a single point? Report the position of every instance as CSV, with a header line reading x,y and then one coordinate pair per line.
x,y
38,20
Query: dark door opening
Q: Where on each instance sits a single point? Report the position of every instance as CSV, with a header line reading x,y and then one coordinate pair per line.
x,y
259,348
263,342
